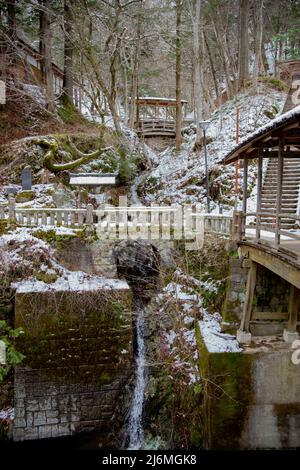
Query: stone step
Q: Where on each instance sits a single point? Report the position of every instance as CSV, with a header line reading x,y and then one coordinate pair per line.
x,y
272,220
270,185
285,175
272,198
283,206
273,176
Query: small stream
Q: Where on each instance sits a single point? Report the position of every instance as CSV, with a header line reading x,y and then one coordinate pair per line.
x,y
135,424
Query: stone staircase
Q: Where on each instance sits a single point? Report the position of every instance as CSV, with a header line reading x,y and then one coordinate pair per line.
x,y
290,192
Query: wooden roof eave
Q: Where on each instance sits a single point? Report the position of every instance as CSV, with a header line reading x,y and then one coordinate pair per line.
x,y
244,152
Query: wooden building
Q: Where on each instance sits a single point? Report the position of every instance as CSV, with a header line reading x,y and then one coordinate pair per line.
x,y
270,236
289,71
25,65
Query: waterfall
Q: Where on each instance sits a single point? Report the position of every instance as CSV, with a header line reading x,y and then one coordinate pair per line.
x,y
135,426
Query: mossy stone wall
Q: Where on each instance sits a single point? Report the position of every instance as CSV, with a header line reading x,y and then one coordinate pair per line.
x,y
79,363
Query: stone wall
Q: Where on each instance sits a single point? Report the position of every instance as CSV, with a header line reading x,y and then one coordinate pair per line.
x,y
235,294
93,258
78,368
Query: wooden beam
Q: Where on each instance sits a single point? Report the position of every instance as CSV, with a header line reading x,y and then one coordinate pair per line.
x,y
277,262
279,193
281,132
259,191
245,187
293,308
269,316
251,282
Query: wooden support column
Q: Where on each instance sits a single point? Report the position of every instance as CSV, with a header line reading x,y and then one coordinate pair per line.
x,y
245,185
293,308
259,190
279,193
251,282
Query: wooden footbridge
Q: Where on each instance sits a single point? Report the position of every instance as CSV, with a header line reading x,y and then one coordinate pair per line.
x,y
270,236
156,116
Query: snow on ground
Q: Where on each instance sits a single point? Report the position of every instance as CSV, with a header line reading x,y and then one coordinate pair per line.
x,y
7,415
189,312
24,255
180,177
77,281
42,195
215,341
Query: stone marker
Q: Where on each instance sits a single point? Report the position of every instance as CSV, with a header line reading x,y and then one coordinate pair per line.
x,y
26,178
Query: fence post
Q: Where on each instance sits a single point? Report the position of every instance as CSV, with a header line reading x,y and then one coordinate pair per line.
x,y
12,208
89,214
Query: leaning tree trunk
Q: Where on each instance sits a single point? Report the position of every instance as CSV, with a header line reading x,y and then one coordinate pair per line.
x,y
45,52
178,74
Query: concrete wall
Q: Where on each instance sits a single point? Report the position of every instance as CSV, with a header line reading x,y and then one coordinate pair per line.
x,y
78,367
251,399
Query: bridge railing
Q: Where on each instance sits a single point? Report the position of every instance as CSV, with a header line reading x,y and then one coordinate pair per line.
x,y
155,221
156,126
250,225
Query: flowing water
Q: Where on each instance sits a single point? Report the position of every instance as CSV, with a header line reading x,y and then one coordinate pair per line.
x,y
135,426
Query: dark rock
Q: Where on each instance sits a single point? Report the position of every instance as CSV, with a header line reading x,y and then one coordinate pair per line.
x,y
137,260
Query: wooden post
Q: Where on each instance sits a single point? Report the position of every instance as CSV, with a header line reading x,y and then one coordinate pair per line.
x,y
237,221
11,208
293,308
251,282
279,192
245,184
89,214
258,201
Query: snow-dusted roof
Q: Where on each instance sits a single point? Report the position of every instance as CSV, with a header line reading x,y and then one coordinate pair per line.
x,y
158,99
287,118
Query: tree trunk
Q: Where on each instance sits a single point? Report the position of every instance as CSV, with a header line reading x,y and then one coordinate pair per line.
x,y
243,43
45,52
197,72
11,18
224,58
68,52
9,47
258,23
178,74
135,71
211,65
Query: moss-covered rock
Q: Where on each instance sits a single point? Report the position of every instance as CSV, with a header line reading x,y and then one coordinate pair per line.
x,y
25,196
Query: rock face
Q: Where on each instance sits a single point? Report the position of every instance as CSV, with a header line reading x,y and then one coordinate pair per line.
x,y
78,367
137,259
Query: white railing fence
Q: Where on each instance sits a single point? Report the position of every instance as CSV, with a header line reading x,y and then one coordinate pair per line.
x,y
156,222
